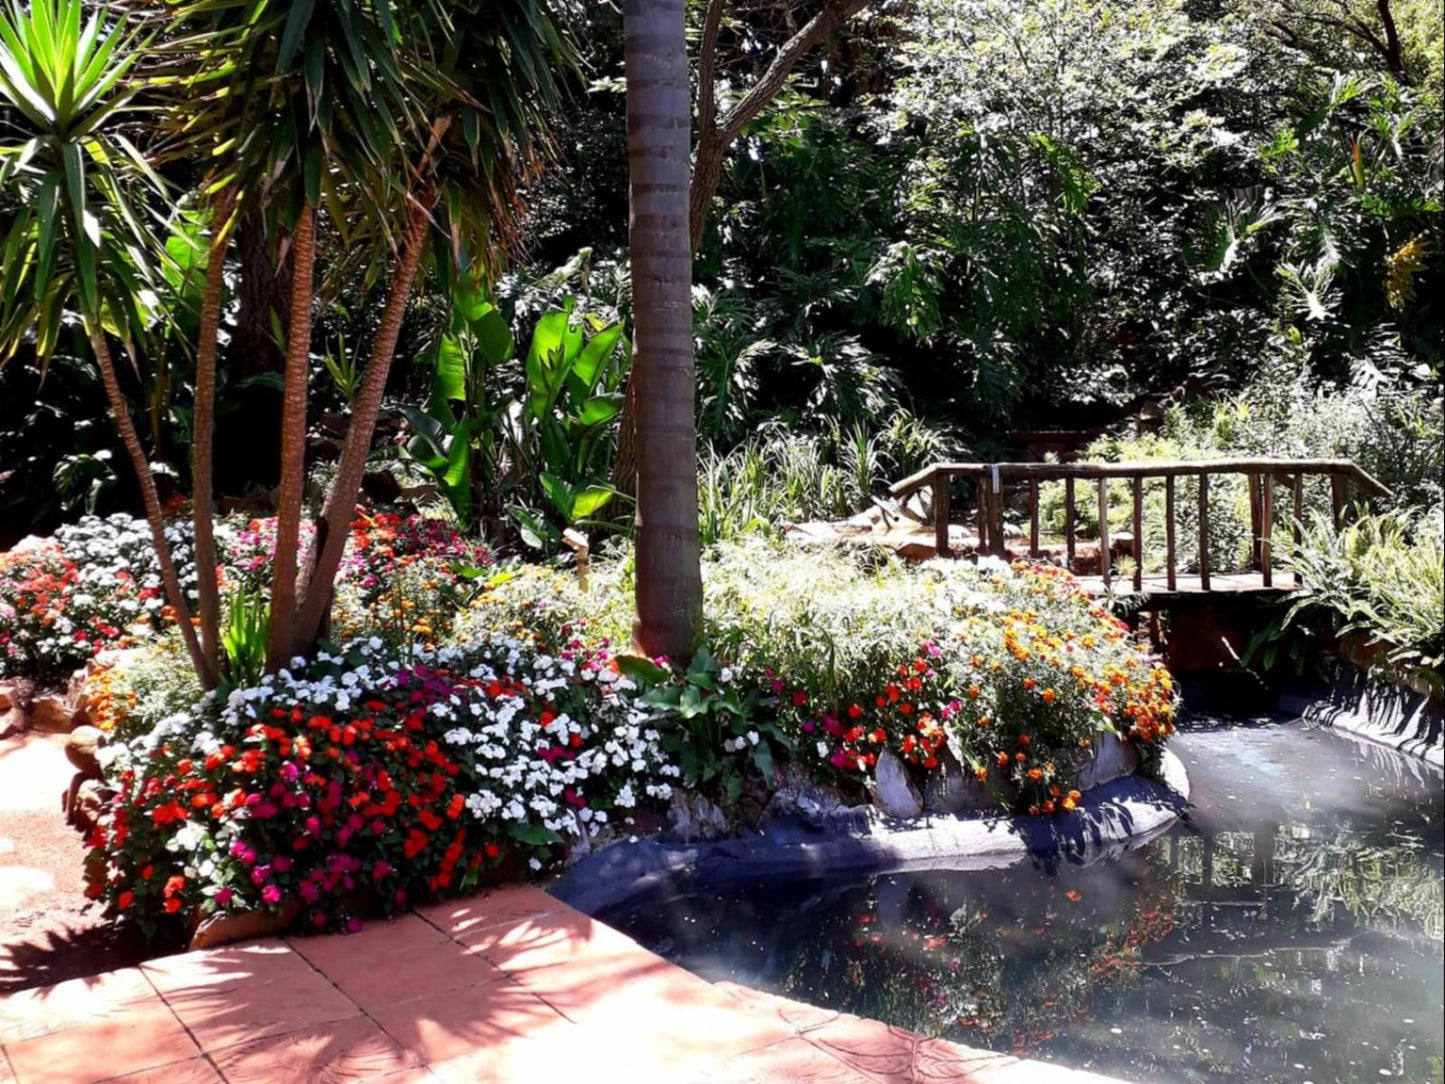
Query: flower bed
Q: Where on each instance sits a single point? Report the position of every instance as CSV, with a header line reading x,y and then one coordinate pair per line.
x,y
96,584
385,772
367,781
1010,672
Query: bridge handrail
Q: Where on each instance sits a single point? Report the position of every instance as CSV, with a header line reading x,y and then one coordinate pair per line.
x,y
1143,469
1263,475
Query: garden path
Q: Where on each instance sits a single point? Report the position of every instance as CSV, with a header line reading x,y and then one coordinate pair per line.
x,y
508,986
46,931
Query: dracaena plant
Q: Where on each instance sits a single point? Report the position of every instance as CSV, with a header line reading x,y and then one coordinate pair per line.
x,y
410,125
81,201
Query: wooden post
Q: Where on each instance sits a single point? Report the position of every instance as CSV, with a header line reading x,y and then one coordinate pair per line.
x,y
1337,497
940,514
983,519
1033,517
998,543
1170,570
1104,528
1254,519
1266,527
577,542
1298,531
1069,522
1204,532
1138,533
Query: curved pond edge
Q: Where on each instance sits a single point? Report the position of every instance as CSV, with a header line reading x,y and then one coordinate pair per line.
x,y
1118,816
1400,718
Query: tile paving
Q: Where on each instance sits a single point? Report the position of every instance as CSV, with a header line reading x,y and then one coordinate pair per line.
x,y
509,987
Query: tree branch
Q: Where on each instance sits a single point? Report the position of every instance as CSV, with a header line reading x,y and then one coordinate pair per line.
x,y
707,71
715,137
833,15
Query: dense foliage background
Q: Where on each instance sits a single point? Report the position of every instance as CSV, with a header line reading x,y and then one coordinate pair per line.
x,y
961,219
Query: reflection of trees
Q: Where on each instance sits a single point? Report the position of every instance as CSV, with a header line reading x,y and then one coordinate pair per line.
x,y
1233,955
1287,931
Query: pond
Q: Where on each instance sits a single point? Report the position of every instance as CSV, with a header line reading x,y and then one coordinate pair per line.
x,y
1289,929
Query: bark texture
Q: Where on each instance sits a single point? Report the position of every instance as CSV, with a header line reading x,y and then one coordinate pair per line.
x,y
659,112
202,436
149,498
281,634
324,555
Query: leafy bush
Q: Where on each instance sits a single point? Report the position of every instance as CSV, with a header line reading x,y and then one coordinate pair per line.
x,y
780,477
1381,578
1014,669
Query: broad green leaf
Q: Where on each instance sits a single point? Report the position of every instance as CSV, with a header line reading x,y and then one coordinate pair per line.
x,y
494,338
763,758
536,835
643,671
595,354
449,375
590,500
601,408
562,495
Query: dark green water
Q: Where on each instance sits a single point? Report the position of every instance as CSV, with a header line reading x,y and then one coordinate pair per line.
x,y
1289,930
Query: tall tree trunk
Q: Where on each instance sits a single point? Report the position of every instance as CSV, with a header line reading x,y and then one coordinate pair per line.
x,y
281,635
202,434
624,465
659,114
251,433
261,292
323,557
149,499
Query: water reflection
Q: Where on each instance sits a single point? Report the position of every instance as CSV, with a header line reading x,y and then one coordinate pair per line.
x,y
1291,930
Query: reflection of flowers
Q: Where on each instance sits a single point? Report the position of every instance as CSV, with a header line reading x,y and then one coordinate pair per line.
x,y
961,973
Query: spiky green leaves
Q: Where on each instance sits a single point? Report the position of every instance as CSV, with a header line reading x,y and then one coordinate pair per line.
x,y
77,191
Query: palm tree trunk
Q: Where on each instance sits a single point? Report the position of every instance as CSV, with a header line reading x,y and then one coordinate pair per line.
x,y
659,115
281,634
149,499
202,436
324,555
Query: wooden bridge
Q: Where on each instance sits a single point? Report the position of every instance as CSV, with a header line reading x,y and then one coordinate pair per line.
x,y
996,483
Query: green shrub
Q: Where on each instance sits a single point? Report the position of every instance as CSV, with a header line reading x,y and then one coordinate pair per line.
x,y
1014,669
1381,578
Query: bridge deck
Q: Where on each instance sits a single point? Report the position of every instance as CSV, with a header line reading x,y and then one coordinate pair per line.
x,y
1186,586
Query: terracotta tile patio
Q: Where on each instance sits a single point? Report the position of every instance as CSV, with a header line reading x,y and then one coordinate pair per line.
x,y
510,986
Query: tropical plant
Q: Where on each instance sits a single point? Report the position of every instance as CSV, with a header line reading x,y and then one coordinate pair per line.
x,y
711,718
83,199
243,639
1380,579
550,444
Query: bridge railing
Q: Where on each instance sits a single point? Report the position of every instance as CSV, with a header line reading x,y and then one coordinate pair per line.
x,y
1262,476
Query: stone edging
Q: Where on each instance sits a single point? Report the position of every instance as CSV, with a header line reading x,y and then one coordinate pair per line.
x,y
1120,815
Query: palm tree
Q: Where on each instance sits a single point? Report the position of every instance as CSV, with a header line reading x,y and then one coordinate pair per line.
x,y
460,203
203,417
659,114
82,196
